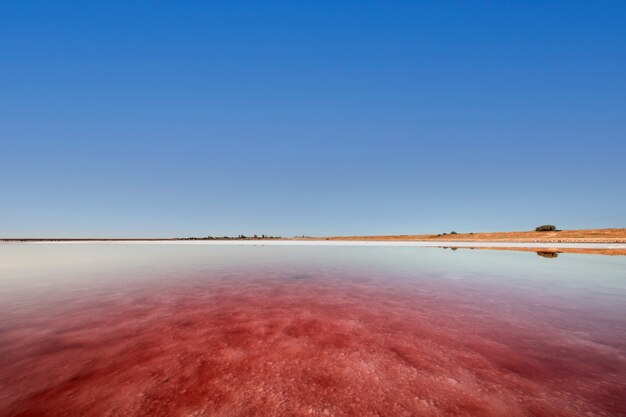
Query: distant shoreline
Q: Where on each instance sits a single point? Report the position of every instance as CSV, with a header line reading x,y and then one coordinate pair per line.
x,y
541,248
588,241
614,235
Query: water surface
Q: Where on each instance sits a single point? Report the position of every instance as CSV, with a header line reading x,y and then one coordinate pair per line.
x,y
193,330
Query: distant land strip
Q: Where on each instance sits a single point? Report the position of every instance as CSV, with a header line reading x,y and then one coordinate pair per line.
x,y
613,235
447,239
557,236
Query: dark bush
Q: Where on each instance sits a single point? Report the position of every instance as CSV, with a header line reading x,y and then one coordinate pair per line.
x,y
545,228
453,233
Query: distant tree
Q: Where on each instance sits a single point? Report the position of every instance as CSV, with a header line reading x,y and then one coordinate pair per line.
x,y
453,233
545,228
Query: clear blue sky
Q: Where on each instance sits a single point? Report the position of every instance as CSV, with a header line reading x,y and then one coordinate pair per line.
x,y
178,118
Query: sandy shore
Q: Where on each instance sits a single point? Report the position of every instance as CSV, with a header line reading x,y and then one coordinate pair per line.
x,y
588,241
563,236
562,247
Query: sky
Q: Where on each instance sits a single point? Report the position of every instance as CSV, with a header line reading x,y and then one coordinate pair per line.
x,y
195,118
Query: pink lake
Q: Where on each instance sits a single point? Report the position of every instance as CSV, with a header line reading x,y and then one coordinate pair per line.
x,y
199,330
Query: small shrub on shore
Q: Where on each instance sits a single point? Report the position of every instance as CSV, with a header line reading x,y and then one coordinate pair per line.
x,y
545,228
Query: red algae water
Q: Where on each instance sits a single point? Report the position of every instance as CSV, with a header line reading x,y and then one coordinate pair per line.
x,y
198,330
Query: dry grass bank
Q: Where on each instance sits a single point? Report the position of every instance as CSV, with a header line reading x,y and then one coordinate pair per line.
x,y
563,236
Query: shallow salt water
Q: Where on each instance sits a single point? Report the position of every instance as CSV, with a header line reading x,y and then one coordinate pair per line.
x,y
193,330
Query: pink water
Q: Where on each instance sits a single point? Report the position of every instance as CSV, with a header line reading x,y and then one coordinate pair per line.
x,y
206,331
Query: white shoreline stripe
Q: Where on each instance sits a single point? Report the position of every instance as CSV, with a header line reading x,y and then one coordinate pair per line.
x,y
438,244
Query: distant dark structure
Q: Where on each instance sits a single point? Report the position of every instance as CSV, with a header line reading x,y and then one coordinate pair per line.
x,y
546,228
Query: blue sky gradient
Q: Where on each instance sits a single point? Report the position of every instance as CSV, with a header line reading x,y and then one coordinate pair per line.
x,y
211,118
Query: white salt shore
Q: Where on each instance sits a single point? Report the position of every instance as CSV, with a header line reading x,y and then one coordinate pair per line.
x,y
437,244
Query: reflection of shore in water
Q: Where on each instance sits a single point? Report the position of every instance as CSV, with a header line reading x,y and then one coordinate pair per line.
x,y
553,252
548,254
169,330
